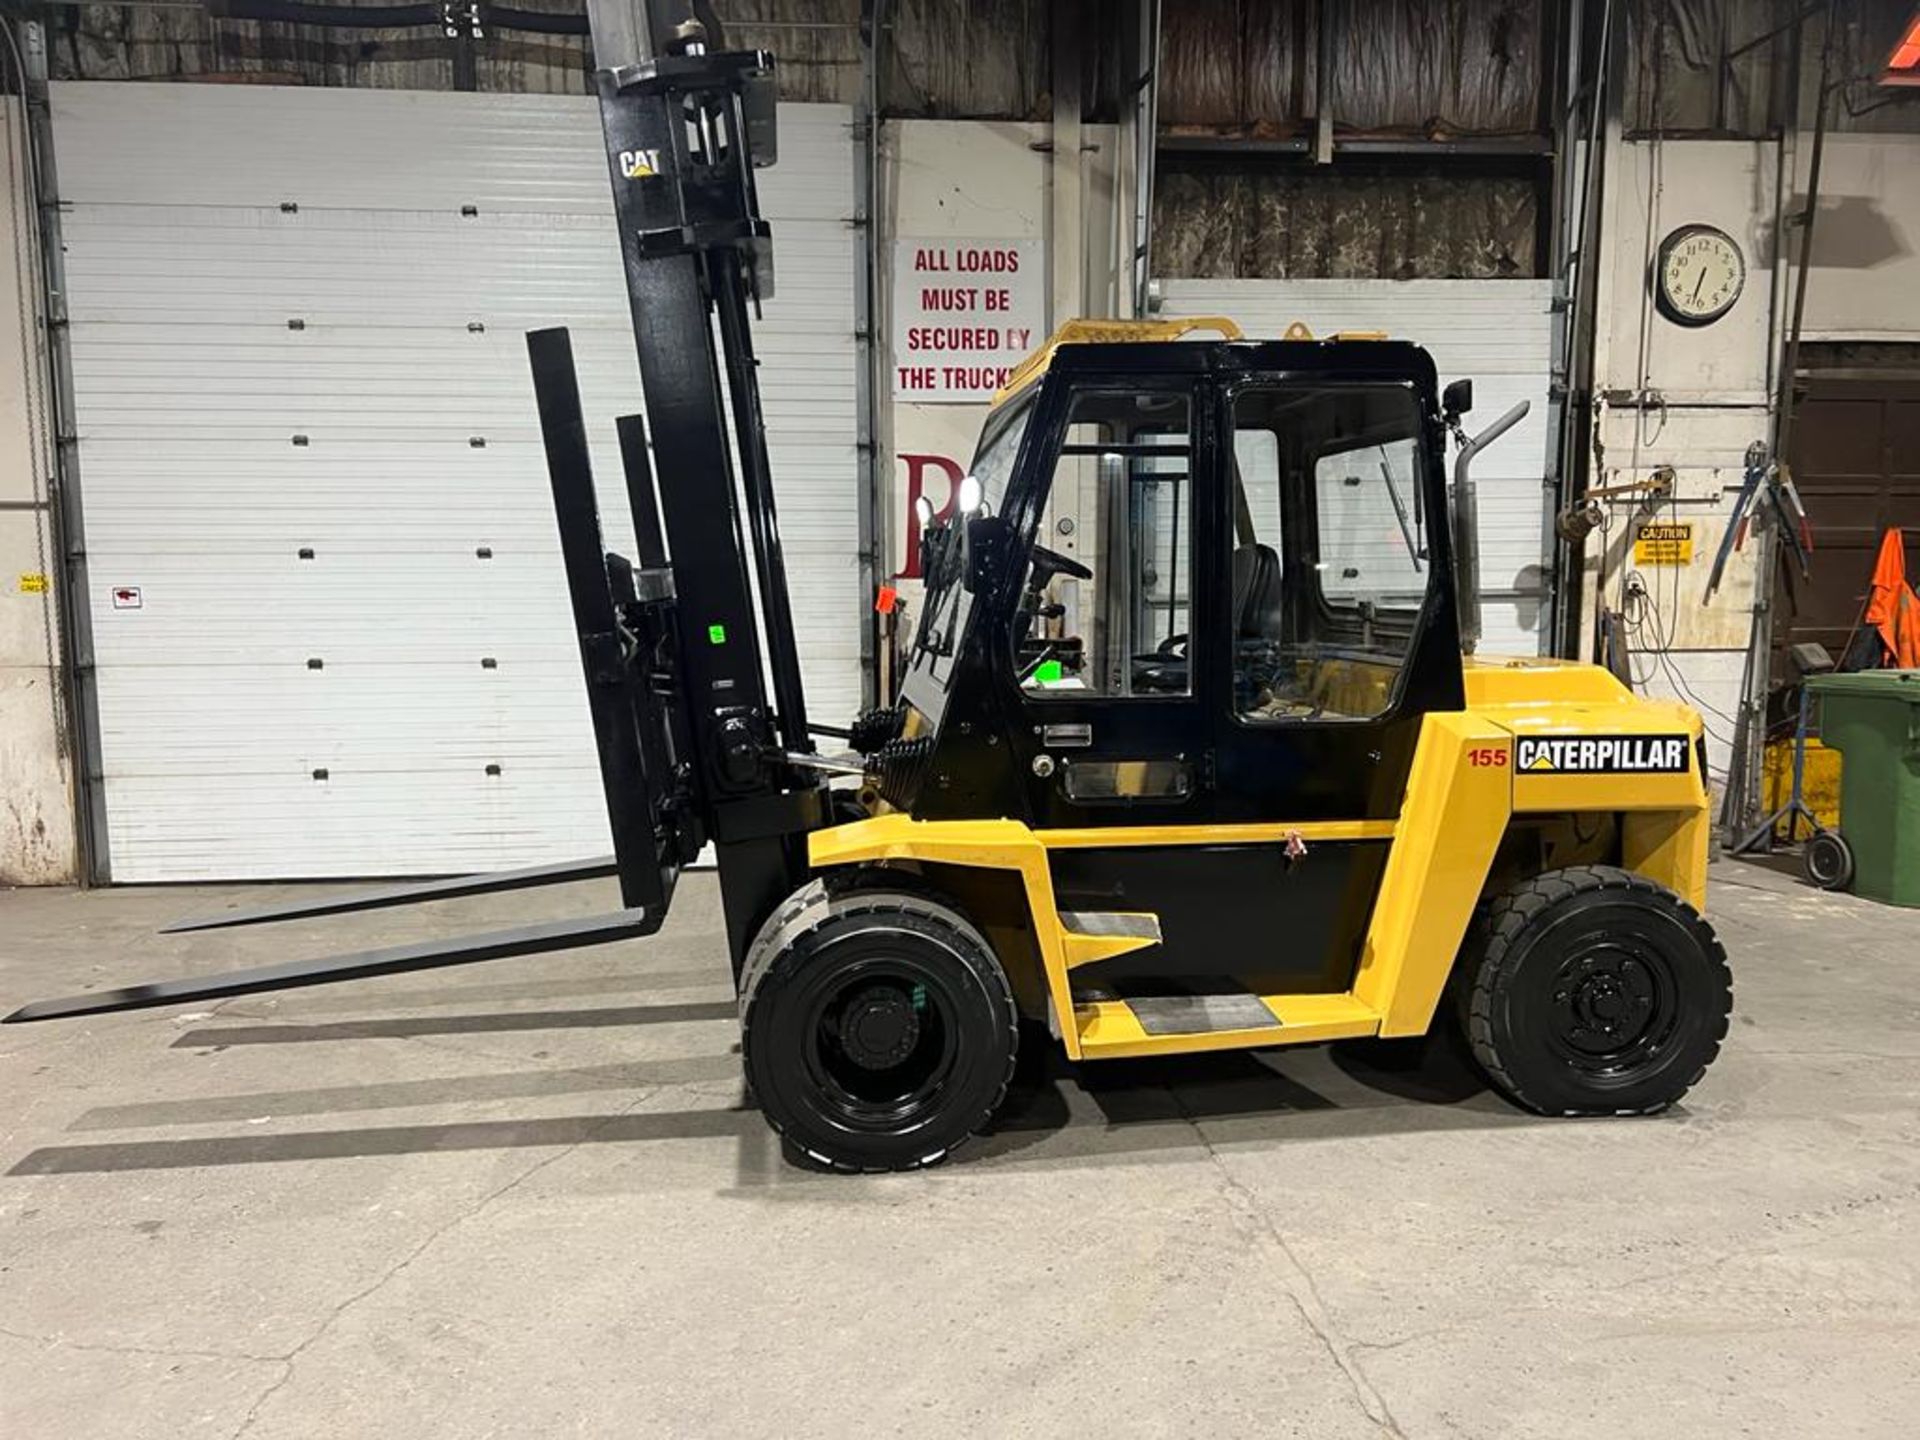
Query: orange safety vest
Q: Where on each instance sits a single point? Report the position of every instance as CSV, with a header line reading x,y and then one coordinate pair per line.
x,y
1892,607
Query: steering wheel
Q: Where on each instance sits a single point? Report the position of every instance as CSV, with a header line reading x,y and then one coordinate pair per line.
x,y
1049,563
1294,710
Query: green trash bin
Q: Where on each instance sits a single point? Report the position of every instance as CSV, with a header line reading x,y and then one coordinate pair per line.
x,y
1873,719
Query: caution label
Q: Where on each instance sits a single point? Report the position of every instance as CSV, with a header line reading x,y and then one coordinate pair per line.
x,y
1603,755
1665,543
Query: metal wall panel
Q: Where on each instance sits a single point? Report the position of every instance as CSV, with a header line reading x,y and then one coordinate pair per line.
x,y
1424,67
419,454
1495,332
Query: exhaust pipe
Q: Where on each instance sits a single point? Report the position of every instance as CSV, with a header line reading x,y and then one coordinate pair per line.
x,y
1466,522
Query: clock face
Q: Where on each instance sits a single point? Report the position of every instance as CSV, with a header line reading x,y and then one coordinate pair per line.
x,y
1701,273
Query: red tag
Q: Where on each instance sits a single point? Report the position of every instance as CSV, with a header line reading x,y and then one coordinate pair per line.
x,y
886,599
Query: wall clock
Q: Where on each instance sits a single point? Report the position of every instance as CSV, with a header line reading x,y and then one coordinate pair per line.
x,y
1698,275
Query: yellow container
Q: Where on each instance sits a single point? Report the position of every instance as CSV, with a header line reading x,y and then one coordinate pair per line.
x,y
1819,786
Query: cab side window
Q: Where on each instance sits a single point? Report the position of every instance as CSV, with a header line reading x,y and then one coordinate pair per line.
x,y
1329,560
1370,507
1106,608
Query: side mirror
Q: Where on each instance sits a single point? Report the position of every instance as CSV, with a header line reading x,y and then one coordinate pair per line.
x,y
1456,400
986,549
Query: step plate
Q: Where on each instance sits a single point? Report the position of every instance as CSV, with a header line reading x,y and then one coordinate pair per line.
x,y
1106,923
1201,1014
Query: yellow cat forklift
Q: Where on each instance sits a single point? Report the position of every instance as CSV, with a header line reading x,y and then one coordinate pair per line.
x,y
1191,750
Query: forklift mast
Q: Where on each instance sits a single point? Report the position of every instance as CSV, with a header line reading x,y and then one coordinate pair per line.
x,y
692,669
692,672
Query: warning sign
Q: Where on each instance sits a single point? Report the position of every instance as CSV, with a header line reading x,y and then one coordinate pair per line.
x,y
33,582
127,597
965,312
1665,543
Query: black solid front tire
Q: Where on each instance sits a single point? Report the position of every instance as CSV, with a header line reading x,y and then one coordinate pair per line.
x,y
822,962
1594,991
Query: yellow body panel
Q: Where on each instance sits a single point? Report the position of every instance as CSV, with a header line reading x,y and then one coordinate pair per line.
x,y
1454,815
1666,830
1463,793
1110,837
1670,847
1537,682
987,844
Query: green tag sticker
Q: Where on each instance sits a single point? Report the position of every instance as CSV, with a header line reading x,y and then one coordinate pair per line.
x,y
717,634
1049,672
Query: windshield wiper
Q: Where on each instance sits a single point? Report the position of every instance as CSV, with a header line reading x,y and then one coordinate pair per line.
x,y
941,598
1399,509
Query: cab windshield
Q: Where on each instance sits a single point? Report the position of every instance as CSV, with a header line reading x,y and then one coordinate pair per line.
x,y
947,604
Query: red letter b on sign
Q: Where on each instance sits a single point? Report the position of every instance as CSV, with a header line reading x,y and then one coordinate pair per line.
x,y
917,467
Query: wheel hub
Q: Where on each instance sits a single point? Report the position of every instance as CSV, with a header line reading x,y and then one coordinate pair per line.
x,y
879,1027
1606,1002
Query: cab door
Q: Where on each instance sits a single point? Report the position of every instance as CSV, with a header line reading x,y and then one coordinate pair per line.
x,y
1337,638
1106,669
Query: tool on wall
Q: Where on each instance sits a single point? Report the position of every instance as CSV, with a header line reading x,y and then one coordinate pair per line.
x,y
1578,522
1769,487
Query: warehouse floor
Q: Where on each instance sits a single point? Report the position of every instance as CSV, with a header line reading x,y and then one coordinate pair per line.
x,y
522,1199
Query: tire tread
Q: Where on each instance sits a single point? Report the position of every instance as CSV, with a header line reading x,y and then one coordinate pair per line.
x,y
1493,949
789,933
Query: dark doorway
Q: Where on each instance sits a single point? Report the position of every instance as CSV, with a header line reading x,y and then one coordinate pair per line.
x,y
1856,458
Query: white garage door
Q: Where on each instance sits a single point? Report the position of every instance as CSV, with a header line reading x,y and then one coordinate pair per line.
x,y
331,626
1494,332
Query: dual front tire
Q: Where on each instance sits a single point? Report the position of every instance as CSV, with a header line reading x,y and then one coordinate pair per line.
x,y
879,1031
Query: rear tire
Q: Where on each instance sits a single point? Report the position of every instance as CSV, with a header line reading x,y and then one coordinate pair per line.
x,y
1594,991
1828,860
878,1030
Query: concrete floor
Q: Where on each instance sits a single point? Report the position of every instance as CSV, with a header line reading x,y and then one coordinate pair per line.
x,y
522,1200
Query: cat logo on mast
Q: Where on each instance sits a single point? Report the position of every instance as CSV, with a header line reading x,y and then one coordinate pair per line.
x,y
639,164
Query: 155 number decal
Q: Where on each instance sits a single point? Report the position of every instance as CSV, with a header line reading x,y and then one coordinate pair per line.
x,y
1484,756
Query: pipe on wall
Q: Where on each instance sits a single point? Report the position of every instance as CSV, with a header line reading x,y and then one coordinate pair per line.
x,y
392,17
1145,118
76,621
869,379
1577,276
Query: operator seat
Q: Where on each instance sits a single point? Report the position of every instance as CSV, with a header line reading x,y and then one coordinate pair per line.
x,y
1259,624
1256,616
1256,592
